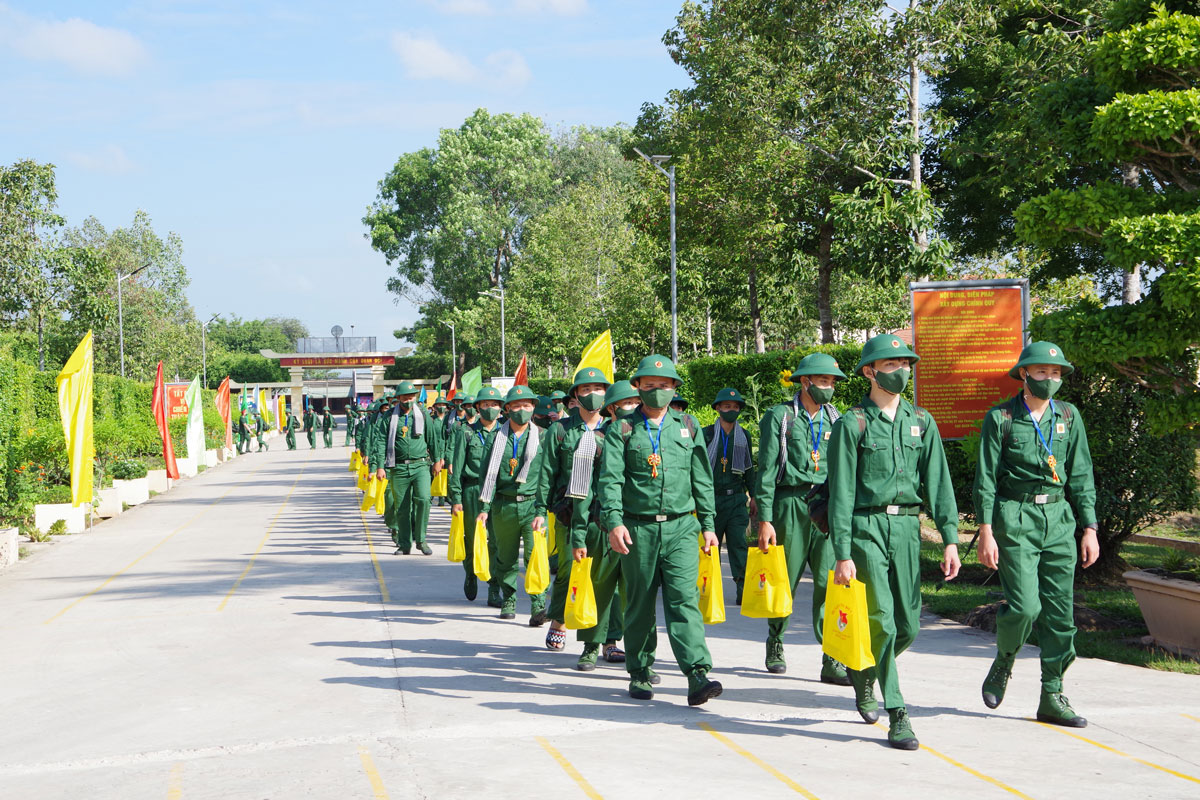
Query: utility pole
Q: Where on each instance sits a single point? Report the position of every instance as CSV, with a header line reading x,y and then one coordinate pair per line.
x,y
121,313
204,350
503,353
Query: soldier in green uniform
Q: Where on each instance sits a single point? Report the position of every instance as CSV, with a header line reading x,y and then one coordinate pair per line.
x,y
260,430
1033,487
543,412
558,399
310,427
566,486
732,463
328,423
679,404
244,425
407,442
621,400
793,442
293,425
885,456
470,449
654,474
351,421
506,497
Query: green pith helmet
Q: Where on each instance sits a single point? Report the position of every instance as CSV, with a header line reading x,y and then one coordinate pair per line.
x,y
405,387
520,393
1042,353
885,345
457,399
558,396
489,393
729,393
621,390
819,364
677,400
468,400
587,375
544,406
656,366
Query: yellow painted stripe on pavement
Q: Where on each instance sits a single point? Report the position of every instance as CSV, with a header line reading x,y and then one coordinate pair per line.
x,y
743,752
146,554
383,590
968,770
368,764
569,768
1115,751
175,786
1189,716
262,544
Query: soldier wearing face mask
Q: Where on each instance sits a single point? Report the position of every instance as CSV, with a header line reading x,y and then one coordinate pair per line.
x,y
620,401
408,440
885,458
1033,488
793,445
732,462
470,448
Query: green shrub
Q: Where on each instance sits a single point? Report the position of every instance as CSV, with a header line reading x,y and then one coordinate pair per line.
x,y
128,469
58,527
58,493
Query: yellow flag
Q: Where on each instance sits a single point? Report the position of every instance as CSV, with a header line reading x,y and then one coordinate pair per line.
x,y
75,409
599,355
264,406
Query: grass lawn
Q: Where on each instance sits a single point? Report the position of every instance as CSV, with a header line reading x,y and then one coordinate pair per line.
x,y
973,585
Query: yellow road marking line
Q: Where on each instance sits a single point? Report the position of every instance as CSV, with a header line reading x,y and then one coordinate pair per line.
x,y
1189,716
383,590
146,554
175,786
1119,753
368,764
263,543
569,768
968,770
741,751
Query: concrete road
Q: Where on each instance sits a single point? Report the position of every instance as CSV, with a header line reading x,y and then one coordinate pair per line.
x,y
251,635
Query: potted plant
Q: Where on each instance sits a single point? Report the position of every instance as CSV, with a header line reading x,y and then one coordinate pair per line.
x,y
1169,597
129,479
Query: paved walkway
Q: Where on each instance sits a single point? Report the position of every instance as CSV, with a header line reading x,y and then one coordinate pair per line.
x,y
250,635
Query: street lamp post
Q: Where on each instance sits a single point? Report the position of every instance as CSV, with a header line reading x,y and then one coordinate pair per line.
x,y
657,162
204,350
121,313
453,347
503,353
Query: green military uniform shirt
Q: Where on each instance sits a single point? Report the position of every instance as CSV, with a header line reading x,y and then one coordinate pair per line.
x,y
725,479
558,464
408,445
471,447
799,467
506,483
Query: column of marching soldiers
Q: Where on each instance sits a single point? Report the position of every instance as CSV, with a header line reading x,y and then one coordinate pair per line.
x,y
630,481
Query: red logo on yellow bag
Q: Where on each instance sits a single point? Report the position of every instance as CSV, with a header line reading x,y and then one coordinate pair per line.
x,y
762,580
574,589
843,620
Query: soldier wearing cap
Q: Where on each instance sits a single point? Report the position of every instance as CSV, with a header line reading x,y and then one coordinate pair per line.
x,y
260,430
293,425
732,462
244,423
506,497
793,443
885,456
654,474
566,486
470,447
678,403
407,441
328,423
544,412
351,421
1033,487
558,399
621,400
310,427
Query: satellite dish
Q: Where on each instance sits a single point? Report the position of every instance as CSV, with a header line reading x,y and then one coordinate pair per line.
x,y
336,331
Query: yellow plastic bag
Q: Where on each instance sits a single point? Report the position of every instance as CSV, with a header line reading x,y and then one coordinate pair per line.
x,y
457,550
381,497
354,456
580,611
479,553
847,634
368,496
362,477
712,593
537,573
440,485
766,592
551,534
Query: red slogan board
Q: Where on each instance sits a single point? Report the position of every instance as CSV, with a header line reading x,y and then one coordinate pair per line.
x,y
968,338
337,361
176,400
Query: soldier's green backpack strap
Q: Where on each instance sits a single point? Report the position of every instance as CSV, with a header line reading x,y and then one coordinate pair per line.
x,y
1006,418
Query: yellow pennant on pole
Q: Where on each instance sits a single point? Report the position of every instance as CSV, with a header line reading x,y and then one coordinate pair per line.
x,y
75,407
599,355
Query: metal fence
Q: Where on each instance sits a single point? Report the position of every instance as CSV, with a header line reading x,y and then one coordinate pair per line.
x,y
336,344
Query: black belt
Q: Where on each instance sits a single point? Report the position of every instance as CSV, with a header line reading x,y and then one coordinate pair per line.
x,y
655,517
730,492
799,488
516,498
892,510
1036,499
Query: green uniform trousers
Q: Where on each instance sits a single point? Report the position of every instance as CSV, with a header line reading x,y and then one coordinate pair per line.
x,y
243,443
471,510
262,445
666,555
312,438
733,519
349,435
887,554
803,544
290,438
512,525
406,511
1037,572
562,578
606,579
328,439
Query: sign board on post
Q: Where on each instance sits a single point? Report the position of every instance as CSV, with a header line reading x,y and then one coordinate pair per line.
x,y
968,334
176,402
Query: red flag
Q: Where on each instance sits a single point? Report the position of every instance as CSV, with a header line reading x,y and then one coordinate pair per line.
x,y
522,377
453,390
159,406
223,408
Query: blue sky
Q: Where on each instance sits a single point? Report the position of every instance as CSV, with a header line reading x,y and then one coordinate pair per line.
x,y
257,130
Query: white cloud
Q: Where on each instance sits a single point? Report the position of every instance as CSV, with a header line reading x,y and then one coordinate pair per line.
x,y
481,8
465,7
562,8
84,46
425,58
109,160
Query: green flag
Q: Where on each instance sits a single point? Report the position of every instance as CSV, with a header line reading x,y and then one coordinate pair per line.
x,y
472,382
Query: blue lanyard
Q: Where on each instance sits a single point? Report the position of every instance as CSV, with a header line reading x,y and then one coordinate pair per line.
x,y
482,441
654,441
1037,427
816,438
516,439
